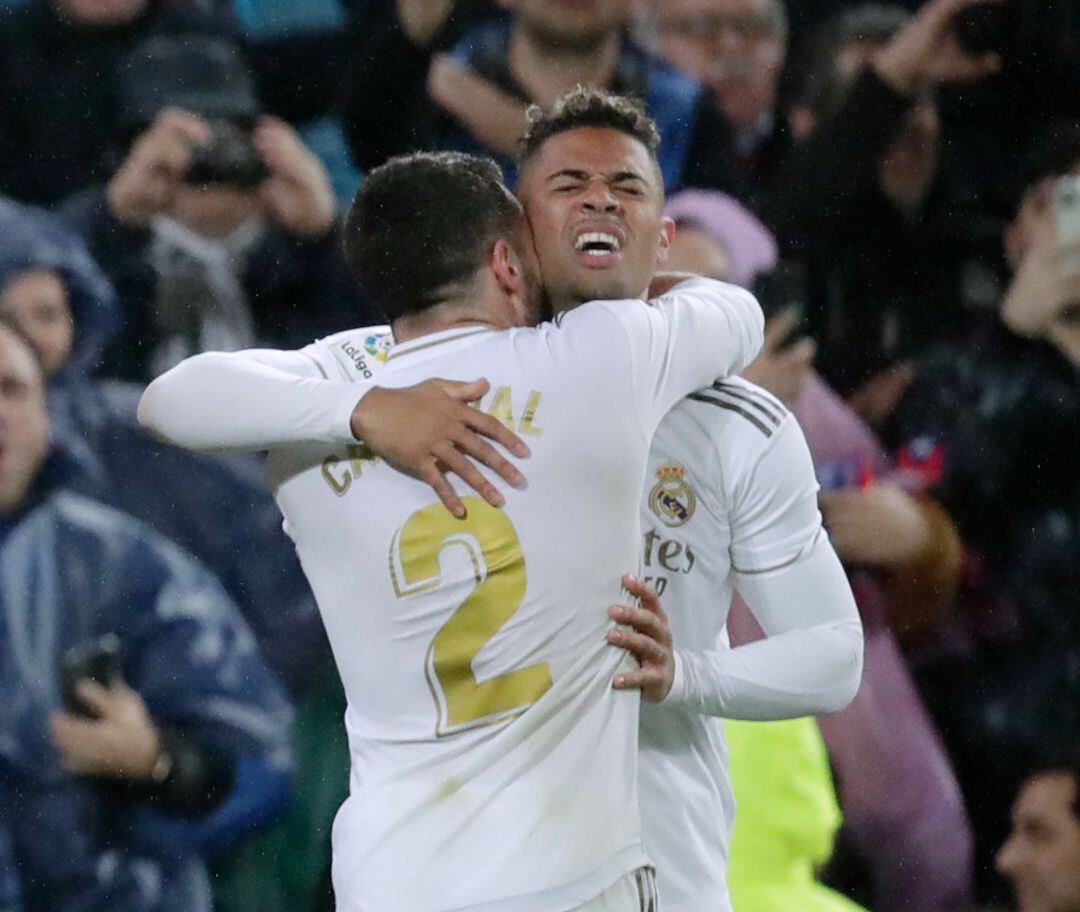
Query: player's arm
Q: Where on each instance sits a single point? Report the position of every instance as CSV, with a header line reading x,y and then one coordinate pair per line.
x,y
787,572
696,331
262,399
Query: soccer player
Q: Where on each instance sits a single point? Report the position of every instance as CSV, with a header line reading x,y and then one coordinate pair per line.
x,y
493,765
730,504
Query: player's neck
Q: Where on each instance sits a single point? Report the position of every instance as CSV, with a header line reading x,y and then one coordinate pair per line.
x,y
450,315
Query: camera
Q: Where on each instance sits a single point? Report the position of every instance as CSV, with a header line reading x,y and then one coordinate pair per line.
x,y
229,158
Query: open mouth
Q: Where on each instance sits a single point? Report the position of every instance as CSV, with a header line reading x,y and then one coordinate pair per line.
x,y
598,248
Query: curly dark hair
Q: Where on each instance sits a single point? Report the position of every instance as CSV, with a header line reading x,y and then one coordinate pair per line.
x,y
423,224
584,107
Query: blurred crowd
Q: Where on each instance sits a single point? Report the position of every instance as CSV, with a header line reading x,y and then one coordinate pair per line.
x,y
898,182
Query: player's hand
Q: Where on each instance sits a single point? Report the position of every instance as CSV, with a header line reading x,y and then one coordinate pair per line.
x,y
430,429
648,640
149,178
121,743
883,526
297,194
927,53
783,371
663,282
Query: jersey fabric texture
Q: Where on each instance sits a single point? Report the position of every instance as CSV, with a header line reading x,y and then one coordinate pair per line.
x,y
735,460
484,732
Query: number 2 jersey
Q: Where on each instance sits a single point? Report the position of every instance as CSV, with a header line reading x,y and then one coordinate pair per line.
x,y
493,765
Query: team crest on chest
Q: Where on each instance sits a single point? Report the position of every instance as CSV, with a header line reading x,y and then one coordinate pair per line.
x,y
672,499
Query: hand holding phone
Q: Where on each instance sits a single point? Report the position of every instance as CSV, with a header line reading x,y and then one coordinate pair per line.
x,y
99,661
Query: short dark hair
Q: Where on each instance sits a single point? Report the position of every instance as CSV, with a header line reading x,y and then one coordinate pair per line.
x,y
813,79
1055,152
1065,761
423,224
585,107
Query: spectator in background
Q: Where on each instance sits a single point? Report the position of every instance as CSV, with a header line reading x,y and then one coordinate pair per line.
x,y
59,67
737,49
998,417
864,198
116,774
535,54
219,227
1041,857
57,295
903,811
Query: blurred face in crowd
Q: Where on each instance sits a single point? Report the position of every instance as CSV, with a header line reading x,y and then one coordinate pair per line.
x,y
735,47
101,12
570,24
37,302
694,250
594,199
1042,854
910,163
24,424
214,211
1034,207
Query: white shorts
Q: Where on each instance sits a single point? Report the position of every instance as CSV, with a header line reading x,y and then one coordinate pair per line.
x,y
635,892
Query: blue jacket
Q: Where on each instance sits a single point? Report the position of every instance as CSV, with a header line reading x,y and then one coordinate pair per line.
x,y
72,570
219,511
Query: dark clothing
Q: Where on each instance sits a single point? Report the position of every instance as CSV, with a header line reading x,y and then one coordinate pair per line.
x,y
297,288
59,97
1001,416
697,138
219,511
884,285
74,570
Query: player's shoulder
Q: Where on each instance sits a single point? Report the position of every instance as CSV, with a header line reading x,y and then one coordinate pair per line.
x,y
354,354
736,421
734,408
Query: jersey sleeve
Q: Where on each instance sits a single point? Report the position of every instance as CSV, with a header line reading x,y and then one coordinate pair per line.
x,y
258,399
785,569
774,511
684,339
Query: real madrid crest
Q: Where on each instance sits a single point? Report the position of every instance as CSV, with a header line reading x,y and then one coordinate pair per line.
x,y
672,499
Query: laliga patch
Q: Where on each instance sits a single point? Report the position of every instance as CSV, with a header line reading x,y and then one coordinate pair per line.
x,y
378,346
672,499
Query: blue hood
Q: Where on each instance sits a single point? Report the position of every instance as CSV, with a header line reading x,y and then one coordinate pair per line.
x,y
32,238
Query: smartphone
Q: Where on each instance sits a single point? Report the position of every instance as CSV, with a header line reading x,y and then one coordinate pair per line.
x,y
1067,210
784,289
100,661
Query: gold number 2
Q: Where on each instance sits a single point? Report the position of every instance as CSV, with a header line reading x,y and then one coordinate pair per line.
x,y
492,544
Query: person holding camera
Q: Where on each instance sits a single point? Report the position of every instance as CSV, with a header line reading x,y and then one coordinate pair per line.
x,y
218,228
999,413
141,729
866,198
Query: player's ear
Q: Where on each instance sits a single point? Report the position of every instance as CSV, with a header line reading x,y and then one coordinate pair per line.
x,y
667,235
507,267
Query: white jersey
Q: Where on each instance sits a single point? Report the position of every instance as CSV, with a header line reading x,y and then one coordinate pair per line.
x,y
730,488
493,765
